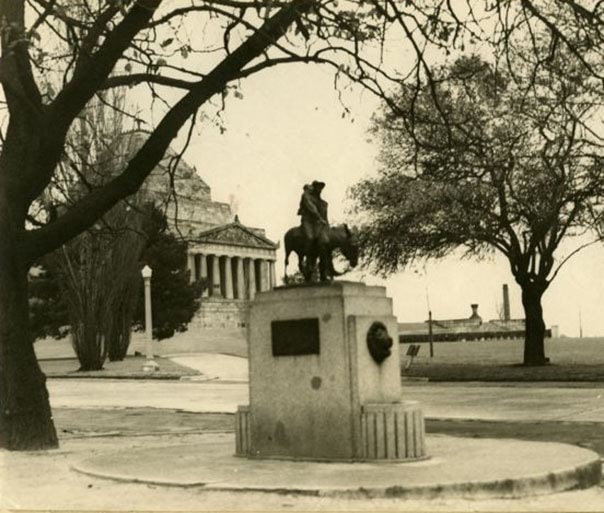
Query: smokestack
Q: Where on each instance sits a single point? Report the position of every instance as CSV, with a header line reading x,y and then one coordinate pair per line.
x,y
506,302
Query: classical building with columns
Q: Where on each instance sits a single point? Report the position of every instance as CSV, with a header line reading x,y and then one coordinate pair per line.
x,y
234,261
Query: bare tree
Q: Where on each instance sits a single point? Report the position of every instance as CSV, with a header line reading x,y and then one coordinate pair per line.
x,y
99,273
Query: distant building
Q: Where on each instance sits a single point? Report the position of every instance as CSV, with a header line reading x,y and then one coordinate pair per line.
x,y
472,328
235,260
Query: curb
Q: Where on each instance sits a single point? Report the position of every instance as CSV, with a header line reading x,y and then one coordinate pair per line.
x,y
141,376
208,471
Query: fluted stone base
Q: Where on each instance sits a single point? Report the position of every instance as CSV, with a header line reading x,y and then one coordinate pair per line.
x,y
389,431
242,431
393,431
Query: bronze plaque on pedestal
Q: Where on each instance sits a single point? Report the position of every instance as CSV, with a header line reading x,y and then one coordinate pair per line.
x,y
295,337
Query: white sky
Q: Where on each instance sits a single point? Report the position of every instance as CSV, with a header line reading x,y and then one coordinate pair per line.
x,y
288,130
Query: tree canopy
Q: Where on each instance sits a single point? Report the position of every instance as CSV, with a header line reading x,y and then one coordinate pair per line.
x,y
479,161
174,298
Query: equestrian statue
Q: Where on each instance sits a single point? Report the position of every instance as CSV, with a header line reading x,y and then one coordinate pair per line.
x,y
315,240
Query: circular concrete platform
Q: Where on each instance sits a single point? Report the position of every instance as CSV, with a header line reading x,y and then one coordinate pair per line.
x,y
458,467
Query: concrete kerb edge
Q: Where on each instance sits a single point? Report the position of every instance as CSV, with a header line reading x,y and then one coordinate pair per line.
x,y
129,479
137,377
573,478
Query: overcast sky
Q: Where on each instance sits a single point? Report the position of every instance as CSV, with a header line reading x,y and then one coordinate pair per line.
x,y
288,130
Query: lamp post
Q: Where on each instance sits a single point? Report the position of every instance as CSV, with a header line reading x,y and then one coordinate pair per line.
x,y
150,365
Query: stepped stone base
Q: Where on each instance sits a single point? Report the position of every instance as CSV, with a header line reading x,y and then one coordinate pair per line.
x,y
221,313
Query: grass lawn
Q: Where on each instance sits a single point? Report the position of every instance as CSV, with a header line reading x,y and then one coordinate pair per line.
x,y
499,360
74,422
584,434
130,367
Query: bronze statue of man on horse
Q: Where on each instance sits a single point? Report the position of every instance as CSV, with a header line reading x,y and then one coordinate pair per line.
x,y
315,240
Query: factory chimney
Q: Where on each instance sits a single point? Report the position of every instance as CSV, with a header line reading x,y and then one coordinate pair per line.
x,y
506,302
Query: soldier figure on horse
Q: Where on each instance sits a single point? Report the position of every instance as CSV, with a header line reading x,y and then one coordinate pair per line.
x,y
315,226
315,239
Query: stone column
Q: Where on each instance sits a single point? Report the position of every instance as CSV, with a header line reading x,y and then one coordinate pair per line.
x,y
228,278
216,292
251,278
273,273
264,275
191,266
259,275
240,278
203,273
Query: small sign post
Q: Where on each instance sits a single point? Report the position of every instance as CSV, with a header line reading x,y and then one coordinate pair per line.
x,y
412,351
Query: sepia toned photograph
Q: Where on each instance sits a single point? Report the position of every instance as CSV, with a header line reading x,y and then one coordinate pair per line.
x,y
301,255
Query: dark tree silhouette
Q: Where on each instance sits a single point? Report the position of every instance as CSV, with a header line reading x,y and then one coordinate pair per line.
x,y
174,298
47,310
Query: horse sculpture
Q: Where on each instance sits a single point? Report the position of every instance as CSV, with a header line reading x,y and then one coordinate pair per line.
x,y
340,237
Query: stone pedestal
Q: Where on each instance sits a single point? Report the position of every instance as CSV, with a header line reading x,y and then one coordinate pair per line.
x,y
318,389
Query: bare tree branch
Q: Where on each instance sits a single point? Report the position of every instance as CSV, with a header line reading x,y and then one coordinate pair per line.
x,y
84,213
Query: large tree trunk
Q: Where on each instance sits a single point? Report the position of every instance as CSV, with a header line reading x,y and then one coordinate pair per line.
x,y
534,338
25,415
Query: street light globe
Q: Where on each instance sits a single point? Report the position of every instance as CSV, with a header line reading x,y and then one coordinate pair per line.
x,y
146,272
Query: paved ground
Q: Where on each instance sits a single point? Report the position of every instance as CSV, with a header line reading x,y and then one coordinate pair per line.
x,y
44,481
215,366
509,403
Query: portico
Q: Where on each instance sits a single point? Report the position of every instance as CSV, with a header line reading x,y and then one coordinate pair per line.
x,y
234,261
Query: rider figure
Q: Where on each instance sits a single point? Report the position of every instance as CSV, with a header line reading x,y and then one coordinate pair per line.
x,y
313,212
